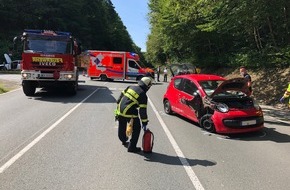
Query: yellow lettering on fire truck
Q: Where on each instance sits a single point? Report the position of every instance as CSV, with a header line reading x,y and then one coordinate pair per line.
x,y
47,59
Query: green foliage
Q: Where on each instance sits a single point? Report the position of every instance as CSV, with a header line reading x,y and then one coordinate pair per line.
x,y
220,33
95,23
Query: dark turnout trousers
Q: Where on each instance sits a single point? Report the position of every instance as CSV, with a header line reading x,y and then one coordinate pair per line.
x,y
122,130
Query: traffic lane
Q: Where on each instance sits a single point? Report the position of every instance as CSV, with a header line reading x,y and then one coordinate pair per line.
x,y
166,153
241,160
83,152
22,118
13,77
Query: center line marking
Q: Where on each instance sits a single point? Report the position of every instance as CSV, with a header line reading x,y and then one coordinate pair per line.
x,y
194,179
37,139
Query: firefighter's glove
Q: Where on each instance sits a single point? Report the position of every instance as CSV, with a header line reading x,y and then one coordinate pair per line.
x,y
282,100
144,127
116,115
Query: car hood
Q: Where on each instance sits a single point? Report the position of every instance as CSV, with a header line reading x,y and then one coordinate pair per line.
x,y
235,84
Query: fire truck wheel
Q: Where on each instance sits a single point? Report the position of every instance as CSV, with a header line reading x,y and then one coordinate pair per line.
x,y
73,87
28,88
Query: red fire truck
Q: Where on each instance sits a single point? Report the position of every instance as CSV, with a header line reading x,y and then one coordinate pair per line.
x,y
110,65
48,59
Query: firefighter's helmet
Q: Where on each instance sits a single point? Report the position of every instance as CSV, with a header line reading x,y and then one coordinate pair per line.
x,y
147,81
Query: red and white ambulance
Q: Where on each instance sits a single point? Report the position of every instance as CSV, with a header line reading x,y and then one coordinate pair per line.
x,y
110,65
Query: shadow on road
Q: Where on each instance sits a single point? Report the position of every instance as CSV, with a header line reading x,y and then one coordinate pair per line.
x,y
282,123
281,113
174,160
104,95
267,134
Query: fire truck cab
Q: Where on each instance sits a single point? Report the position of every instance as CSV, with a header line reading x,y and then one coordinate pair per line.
x,y
48,59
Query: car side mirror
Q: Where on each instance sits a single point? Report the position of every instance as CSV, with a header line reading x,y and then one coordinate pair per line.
x,y
196,93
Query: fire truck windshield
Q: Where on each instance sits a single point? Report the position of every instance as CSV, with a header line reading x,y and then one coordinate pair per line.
x,y
48,46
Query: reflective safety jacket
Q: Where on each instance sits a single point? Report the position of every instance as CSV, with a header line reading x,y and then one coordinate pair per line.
x,y
287,92
132,100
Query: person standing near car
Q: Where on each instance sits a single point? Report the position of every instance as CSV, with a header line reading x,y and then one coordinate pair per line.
x,y
132,104
165,74
158,73
244,73
286,95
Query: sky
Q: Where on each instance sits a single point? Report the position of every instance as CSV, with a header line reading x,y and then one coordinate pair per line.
x,y
133,14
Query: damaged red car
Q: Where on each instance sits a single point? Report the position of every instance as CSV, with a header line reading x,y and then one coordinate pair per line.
x,y
216,104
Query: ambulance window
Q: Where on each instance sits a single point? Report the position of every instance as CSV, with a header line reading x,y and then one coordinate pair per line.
x,y
133,64
117,60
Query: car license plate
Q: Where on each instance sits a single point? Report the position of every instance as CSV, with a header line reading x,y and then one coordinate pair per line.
x,y
46,75
249,122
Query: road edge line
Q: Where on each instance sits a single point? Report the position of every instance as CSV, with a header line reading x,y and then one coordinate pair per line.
x,y
191,174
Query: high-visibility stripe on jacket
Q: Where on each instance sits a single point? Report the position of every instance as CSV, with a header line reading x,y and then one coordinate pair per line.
x,y
133,103
287,92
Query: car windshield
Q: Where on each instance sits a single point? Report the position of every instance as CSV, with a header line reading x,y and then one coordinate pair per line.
x,y
209,86
60,46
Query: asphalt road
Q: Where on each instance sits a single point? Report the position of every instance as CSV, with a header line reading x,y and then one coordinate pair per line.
x,y
54,141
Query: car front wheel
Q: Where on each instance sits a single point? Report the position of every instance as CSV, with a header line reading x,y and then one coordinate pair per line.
x,y
207,123
167,107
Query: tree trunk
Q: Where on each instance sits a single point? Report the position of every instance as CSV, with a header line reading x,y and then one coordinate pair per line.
x,y
257,40
285,9
271,32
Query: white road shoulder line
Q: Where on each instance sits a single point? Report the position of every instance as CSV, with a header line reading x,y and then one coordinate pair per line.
x,y
195,181
37,139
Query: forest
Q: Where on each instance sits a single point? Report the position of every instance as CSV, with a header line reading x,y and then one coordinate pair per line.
x,y
94,23
220,33
215,33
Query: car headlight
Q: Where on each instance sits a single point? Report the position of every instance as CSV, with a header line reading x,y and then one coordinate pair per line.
x,y
222,107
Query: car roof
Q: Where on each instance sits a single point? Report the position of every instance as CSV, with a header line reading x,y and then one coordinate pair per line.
x,y
201,77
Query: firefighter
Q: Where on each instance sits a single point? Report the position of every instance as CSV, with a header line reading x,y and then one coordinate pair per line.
x,y
132,103
286,95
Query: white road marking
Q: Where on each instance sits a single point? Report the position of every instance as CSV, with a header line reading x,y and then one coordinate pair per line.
x,y
10,91
191,174
37,139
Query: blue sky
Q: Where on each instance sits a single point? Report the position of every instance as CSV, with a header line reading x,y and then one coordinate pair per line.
x,y
134,16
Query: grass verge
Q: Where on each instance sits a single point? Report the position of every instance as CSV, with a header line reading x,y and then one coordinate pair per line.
x,y
2,89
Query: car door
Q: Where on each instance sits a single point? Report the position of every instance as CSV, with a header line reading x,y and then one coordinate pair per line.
x,y
173,92
188,101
